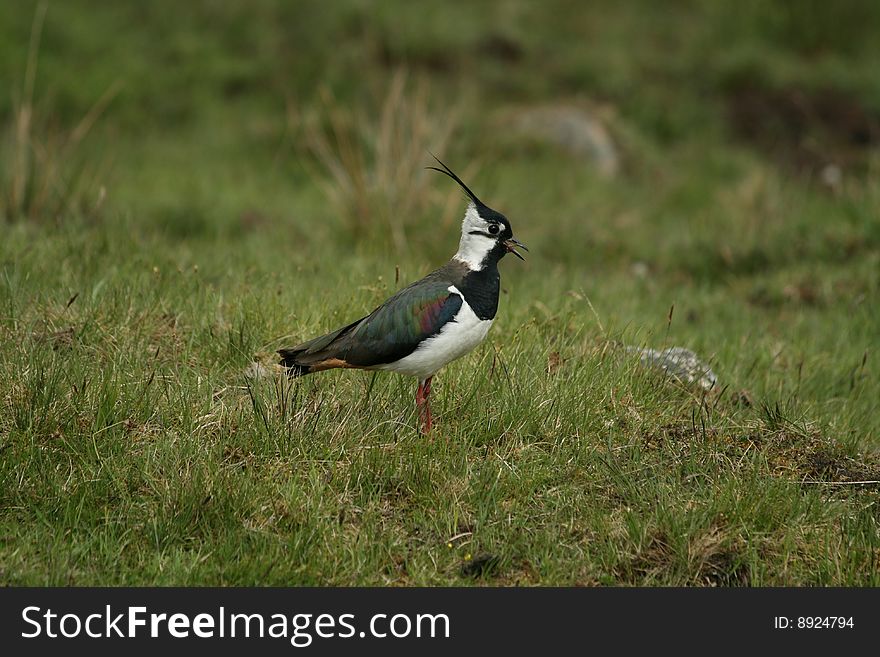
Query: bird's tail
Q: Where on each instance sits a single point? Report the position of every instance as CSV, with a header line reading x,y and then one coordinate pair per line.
x,y
316,355
290,360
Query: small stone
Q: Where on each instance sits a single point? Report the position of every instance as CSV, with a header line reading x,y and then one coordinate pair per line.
x,y
679,363
640,269
257,370
832,176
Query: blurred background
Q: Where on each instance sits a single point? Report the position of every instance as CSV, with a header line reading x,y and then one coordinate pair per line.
x,y
210,118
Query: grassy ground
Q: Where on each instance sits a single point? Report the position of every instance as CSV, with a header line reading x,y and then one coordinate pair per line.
x,y
167,220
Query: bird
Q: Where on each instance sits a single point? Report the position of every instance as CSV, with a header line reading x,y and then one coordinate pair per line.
x,y
429,323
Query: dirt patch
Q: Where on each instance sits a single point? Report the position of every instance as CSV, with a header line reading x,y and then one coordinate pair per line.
x,y
803,292
812,457
554,362
655,558
717,560
502,47
430,60
483,565
824,133
828,465
62,339
791,450
712,558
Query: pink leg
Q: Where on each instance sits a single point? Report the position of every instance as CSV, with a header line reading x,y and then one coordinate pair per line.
x,y
423,405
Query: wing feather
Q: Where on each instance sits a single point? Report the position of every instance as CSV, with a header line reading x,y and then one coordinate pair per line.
x,y
391,332
395,329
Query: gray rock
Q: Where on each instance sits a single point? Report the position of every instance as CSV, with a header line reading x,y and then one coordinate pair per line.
x,y
573,129
679,363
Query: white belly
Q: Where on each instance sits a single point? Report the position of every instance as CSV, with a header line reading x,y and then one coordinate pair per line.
x,y
453,341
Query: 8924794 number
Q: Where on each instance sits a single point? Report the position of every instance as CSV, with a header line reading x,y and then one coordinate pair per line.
x,y
824,622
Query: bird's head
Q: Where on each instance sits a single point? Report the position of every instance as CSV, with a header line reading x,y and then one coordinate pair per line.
x,y
486,234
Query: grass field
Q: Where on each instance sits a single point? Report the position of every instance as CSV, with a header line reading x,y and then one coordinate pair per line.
x,y
186,187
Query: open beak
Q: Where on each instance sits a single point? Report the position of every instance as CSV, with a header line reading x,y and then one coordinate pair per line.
x,y
511,245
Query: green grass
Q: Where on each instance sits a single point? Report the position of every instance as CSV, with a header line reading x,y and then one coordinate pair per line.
x,y
134,451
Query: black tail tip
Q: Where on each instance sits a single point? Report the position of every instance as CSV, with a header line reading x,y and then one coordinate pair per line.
x,y
288,360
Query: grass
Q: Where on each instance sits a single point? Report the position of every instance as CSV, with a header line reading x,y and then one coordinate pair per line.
x,y
43,175
376,178
133,450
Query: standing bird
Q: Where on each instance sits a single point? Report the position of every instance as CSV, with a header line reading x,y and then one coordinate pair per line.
x,y
429,323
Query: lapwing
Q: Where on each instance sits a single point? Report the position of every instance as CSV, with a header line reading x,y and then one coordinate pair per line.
x,y
431,322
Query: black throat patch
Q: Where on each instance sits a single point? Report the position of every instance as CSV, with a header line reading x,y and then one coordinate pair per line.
x,y
480,290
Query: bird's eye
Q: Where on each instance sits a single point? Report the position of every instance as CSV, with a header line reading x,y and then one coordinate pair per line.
x,y
493,229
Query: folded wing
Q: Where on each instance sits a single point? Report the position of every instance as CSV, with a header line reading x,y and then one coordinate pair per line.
x,y
391,332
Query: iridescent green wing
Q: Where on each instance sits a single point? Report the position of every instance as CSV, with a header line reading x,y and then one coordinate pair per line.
x,y
397,327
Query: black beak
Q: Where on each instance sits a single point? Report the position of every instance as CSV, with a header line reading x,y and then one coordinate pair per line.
x,y
511,245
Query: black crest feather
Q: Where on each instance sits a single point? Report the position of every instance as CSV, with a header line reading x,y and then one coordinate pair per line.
x,y
449,172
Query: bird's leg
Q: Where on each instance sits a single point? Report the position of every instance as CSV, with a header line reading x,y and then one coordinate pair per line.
x,y
429,421
423,405
420,402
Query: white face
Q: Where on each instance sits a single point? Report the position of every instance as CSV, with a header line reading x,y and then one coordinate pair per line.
x,y
473,248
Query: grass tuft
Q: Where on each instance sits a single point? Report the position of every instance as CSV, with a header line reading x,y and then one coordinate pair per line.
x,y
373,158
44,176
